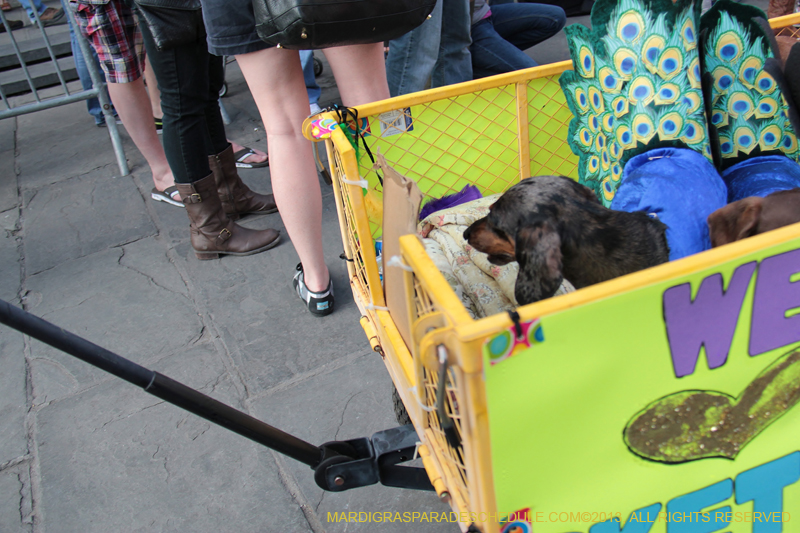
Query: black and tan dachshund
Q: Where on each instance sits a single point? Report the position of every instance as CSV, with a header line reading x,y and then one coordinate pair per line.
x,y
556,228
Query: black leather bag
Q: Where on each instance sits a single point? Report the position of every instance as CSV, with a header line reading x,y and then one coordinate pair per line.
x,y
172,22
315,24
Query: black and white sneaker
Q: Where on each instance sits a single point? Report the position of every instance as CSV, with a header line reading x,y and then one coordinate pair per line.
x,y
319,303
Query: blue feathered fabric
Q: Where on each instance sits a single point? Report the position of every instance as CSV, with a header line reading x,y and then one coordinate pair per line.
x,y
679,187
761,176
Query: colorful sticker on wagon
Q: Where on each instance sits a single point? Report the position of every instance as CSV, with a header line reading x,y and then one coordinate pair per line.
x,y
362,128
509,342
518,522
321,128
396,122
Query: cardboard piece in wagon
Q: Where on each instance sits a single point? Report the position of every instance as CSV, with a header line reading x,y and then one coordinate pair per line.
x,y
401,202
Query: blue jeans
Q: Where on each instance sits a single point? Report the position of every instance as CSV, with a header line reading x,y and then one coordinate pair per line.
x,y
313,89
40,7
438,49
499,40
92,104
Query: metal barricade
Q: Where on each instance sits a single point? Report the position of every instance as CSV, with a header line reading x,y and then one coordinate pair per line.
x,y
66,97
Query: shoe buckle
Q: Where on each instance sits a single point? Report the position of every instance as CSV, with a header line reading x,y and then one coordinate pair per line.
x,y
195,198
224,235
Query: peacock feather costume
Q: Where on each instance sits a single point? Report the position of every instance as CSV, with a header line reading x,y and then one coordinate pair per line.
x,y
749,110
636,85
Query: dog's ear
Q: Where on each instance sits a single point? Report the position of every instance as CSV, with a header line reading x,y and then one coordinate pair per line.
x,y
538,251
735,221
482,237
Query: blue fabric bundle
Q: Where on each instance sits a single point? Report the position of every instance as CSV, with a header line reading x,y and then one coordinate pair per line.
x,y
761,176
679,187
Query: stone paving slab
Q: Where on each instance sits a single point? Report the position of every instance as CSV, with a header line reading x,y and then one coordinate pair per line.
x,y
60,143
273,337
350,401
114,458
81,216
140,314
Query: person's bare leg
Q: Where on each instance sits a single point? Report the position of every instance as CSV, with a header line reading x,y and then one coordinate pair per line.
x,y
152,89
275,78
276,81
360,73
133,105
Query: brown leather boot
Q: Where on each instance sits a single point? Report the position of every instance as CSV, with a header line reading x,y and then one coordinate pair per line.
x,y
213,233
237,199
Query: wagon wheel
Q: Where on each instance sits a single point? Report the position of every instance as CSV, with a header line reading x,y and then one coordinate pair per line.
x,y
400,413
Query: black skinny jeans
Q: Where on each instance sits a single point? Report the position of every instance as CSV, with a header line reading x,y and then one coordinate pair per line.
x,y
189,79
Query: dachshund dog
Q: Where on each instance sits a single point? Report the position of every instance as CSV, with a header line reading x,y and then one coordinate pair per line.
x,y
753,215
556,228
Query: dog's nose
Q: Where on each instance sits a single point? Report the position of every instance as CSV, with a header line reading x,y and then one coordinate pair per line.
x,y
467,232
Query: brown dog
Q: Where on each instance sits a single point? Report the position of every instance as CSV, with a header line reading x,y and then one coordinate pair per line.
x,y
753,215
556,228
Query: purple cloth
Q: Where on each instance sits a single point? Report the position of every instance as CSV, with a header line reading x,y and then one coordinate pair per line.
x,y
467,194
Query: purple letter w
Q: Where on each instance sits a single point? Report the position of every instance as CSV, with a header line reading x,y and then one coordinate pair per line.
x,y
709,320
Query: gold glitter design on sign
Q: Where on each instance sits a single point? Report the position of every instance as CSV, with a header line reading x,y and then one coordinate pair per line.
x,y
691,425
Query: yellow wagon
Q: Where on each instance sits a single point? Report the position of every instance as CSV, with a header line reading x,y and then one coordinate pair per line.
x,y
549,413
664,401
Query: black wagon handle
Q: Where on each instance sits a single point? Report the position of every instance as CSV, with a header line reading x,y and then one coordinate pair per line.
x,y
337,465
160,385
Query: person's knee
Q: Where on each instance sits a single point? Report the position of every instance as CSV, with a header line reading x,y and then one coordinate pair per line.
x,y
559,17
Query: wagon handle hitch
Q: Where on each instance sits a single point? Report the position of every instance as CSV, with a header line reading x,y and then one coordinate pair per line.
x,y
338,466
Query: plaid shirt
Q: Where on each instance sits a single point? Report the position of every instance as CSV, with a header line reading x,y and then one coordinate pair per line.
x,y
111,27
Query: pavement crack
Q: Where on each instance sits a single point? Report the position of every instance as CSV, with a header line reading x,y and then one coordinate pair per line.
x,y
35,193
212,384
23,489
324,369
34,516
290,484
114,420
150,279
69,307
169,474
199,336
344,410
316,509
206,429
14,462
